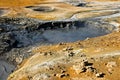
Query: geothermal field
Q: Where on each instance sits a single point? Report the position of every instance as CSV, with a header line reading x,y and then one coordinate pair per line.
x,y
59,39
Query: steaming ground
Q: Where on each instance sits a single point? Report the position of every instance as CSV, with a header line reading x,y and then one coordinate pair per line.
x,y
34,36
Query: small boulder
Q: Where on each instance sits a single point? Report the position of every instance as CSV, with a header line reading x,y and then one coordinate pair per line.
x,y
84,63
19,60
90,69
100,75
71,54
62,75
79,69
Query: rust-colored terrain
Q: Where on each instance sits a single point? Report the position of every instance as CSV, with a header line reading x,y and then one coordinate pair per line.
x,y
59,40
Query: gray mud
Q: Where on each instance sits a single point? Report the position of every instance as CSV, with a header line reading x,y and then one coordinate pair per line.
x,y
25,34
18,35
1,12
5,70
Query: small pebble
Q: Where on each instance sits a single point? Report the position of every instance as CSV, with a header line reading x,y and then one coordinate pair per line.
x,y
19,60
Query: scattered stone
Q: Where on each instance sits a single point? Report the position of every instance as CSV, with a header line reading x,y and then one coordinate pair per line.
x,y
41,77
62,75
92,58
82,55
19,60
78,43
47,53
90,69
58,75
61,43
63,71
54,74
84,63
79,69
111,64
64,49
71,54
100,75
50,68
68,48
87,38
79,51
110,70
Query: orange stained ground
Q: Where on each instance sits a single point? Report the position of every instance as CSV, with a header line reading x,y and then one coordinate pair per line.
x,y
14,3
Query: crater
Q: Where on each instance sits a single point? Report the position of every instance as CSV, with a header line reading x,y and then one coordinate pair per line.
x,y
41,8
78,31
57,32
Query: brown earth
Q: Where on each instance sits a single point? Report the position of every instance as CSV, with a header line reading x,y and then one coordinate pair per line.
x,y
18,9
91,59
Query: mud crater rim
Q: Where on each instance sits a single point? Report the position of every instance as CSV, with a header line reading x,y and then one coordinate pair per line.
x,y
41,8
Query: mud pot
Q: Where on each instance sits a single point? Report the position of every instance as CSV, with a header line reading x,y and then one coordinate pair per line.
x,y
19,35
24,34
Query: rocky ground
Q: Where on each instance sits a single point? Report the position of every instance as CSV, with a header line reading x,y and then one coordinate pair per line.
x,y
59,40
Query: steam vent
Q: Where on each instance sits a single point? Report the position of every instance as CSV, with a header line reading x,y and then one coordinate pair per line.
x,y
59,39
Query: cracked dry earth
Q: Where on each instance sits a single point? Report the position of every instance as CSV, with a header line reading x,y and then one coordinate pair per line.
x,y
59,40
